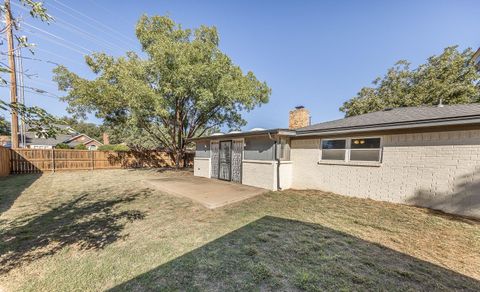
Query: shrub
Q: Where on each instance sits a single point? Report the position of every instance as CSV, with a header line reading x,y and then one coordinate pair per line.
x,y
121,148
62,146
80,147
105,148
114,147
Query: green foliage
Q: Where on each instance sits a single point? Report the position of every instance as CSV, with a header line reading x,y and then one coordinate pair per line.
x,y
4,126
183,88
38,119
121,148
106,147
80,147
62,146
114,147
450,77
90,129
37,10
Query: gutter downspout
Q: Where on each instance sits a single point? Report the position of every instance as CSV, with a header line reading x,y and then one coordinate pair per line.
x,y
278,161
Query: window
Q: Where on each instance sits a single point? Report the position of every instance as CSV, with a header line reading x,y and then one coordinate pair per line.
x,y
334,149
284,151
352,149
365,149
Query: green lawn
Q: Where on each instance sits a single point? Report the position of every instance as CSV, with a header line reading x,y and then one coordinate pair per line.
x,y
105,230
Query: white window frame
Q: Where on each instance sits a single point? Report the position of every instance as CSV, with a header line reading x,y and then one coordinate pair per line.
x,y
334,139
348,149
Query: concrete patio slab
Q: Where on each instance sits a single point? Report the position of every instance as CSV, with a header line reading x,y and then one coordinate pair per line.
x,y
211,193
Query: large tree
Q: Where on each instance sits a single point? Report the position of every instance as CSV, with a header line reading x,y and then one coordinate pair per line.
x,y
450,77
182,87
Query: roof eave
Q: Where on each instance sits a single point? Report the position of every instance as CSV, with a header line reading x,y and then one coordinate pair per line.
x,y
283,132
391,126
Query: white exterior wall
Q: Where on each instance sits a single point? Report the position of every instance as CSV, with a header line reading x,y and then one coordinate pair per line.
x,y
286,173
201,166
439,170
259,173
263,174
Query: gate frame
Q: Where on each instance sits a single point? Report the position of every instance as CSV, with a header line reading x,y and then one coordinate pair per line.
x,y
242,140
230,164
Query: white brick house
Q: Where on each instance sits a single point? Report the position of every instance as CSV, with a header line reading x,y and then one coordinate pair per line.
x,y
425,156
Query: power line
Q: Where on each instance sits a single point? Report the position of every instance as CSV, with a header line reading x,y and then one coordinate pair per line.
x,y
92,19
73,28
58,56
95,27
87,35
57,37
33,59
35,89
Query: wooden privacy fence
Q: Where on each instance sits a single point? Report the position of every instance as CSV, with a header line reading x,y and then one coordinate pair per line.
x,y
4,161
40,160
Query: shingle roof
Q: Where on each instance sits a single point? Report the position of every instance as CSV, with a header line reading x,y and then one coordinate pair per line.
x,y
32,139
406,116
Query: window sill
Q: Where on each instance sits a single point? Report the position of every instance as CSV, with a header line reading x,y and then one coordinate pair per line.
x,y
202,158
350,163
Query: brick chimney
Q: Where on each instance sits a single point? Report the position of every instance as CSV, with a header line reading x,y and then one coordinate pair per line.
x,y
299,118
106,139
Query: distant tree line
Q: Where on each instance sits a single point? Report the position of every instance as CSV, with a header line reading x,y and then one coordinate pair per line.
x,y
450,78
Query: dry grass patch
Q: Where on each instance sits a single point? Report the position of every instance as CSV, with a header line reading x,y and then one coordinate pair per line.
x,y
107,230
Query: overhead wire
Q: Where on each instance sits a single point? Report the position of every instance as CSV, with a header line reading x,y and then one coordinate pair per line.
x,y
95,27
96,21
57,37
60,22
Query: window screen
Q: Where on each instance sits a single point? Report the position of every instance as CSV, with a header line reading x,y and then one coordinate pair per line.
x,y
365,149
333,149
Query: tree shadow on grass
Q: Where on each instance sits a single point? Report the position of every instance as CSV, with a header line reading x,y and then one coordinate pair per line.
x,y
84,222
11,187
280,254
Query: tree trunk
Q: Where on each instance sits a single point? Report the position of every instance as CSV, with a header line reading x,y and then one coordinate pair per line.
x,y
178,157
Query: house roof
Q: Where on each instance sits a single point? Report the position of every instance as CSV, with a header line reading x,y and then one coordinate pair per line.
x,y
32,139
70,139
398,118
286,132
476,54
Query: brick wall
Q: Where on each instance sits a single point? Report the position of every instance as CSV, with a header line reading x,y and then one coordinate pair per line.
x,y
437,170
299,118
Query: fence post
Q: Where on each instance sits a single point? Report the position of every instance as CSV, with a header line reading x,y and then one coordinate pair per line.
x,y
53,159
93,160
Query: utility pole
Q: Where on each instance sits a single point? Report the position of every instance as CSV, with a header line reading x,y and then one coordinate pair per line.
x,y
13,73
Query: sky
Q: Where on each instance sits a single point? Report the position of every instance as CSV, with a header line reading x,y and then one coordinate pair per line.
x,y
312,53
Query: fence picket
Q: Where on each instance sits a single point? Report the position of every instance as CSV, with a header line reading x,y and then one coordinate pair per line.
x,y
18,161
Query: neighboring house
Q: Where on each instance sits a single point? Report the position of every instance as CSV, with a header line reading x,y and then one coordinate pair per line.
x,y
67,136
476,58
427,156
5,141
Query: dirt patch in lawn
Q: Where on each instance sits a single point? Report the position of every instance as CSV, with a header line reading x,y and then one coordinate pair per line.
x,y
108,230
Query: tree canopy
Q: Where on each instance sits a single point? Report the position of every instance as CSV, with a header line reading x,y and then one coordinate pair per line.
x,y
4,126
183,87
90,129
450,77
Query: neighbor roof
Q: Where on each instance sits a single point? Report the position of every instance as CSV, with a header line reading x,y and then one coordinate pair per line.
x,y
397,118
33,139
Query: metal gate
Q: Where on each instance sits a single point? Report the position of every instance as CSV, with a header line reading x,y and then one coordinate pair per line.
x,y
237,151
214,163
225,161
